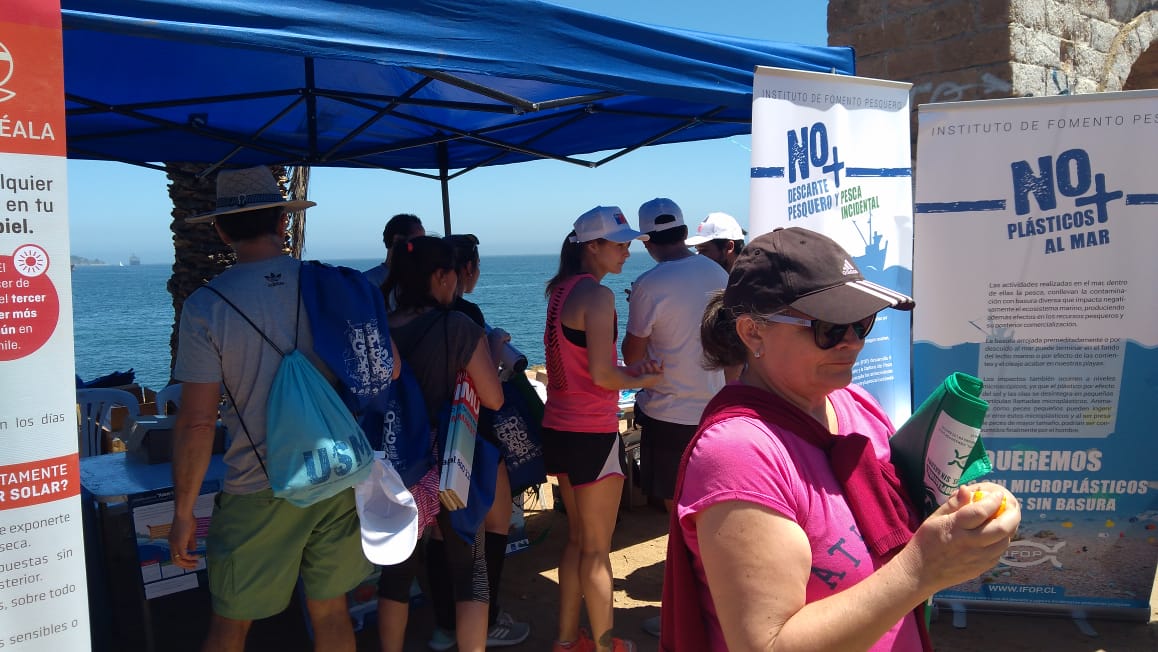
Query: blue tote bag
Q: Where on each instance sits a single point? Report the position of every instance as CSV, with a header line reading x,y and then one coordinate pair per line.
x,y
517,429
484,474
402,428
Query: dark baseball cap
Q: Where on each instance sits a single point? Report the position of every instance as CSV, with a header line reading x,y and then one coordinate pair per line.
x,y
809,272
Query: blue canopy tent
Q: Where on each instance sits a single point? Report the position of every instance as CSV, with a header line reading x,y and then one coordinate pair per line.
x,y
433,88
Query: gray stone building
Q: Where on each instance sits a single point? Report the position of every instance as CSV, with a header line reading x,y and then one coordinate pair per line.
x,y
981,49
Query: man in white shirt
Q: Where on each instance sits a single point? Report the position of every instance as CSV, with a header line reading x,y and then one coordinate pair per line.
x,y
665,308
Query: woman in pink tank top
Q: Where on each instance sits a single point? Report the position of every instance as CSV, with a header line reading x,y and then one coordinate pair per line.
x,y
581,443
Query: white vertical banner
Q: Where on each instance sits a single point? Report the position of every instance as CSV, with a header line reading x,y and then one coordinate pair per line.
x,y
43,594
831,153
1037,220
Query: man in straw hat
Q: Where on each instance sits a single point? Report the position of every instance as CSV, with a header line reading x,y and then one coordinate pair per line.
x,y
257,545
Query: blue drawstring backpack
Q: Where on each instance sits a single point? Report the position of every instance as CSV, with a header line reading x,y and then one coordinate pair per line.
x,y
314,447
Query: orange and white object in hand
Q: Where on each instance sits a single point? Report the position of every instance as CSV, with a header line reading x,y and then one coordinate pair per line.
x,y
979,494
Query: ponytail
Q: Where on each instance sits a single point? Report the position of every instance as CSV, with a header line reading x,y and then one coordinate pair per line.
x,y
412,263
570,262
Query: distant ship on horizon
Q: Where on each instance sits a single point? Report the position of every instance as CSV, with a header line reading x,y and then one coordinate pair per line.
x,y
133,260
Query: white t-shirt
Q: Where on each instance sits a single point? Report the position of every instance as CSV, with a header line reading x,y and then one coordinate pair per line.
x,y
667,304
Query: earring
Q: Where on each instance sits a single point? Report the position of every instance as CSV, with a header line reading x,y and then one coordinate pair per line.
x,y
757,353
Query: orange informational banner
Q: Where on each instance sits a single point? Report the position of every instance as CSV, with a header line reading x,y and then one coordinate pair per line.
x,y
31,79
35,483
43,594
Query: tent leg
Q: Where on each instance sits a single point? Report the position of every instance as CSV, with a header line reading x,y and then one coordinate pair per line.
x,y
444,179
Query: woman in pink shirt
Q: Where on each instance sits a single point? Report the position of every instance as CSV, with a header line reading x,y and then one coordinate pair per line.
x,y
581,444
813,546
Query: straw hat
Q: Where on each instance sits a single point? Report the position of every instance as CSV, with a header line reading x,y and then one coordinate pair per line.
x,y
250,189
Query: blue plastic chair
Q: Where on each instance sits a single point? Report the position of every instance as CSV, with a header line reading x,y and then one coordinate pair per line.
x,y
93,415
170,395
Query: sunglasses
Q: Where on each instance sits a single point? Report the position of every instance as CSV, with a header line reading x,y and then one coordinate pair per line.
x,y
825,333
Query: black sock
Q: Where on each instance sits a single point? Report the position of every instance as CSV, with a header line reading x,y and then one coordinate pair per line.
x,y
441,586
496,553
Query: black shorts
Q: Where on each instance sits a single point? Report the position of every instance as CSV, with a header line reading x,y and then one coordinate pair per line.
x,y
467,563
583,457
661,446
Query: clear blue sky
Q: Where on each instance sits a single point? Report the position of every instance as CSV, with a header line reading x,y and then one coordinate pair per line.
x,y
118,209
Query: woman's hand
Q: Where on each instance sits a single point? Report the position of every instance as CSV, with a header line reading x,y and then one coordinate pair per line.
x,y
648,372
963,539
645,367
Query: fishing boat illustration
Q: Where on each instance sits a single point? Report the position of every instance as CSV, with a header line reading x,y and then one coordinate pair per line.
x,y
875,248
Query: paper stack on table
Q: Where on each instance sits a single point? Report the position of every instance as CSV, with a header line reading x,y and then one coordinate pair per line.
x,y
939,448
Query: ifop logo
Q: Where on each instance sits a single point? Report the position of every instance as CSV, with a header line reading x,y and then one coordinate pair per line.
x,y
6,68
1022,554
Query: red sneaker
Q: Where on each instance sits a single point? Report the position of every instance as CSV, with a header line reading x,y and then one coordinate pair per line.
x,y
581,644
622,645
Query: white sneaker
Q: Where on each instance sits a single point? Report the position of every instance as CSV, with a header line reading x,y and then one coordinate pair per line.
x,y
507,631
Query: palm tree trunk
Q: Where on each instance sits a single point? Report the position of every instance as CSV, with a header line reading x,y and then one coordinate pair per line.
x,y
299,185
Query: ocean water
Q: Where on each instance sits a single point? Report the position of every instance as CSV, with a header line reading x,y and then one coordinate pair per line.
x,y
123,316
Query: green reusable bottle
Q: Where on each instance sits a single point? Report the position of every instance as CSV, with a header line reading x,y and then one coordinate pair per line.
x,y
939,447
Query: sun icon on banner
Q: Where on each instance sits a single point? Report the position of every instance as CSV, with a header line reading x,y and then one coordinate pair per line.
x,y
30,260
6,68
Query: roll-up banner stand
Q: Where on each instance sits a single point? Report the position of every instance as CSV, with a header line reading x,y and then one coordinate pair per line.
x,y
831,153
43,593
1036,228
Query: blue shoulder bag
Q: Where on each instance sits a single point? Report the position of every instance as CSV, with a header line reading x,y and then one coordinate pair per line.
x,y
516,425
402,429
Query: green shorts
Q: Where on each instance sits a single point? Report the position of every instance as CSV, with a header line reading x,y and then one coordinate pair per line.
x,y
258,545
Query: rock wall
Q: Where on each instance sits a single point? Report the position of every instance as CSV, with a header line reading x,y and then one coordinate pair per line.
x,y
954,50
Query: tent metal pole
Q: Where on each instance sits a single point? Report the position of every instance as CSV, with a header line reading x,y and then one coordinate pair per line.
x,y
311,108
444,180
